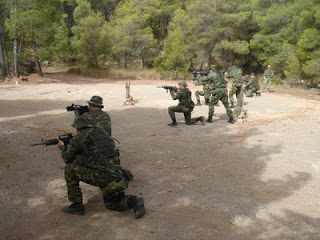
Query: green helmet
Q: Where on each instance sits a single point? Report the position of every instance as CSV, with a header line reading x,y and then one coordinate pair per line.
x,y
83,121
96,101
246,77
183,83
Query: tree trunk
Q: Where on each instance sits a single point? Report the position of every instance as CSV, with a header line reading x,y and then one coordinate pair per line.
x,y
34,45
68,8
15,57
3,54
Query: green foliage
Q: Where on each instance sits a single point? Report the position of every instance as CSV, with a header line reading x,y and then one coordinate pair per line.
x,y
276,80
132,37
62,43
175,53
173,36
312,68
88,39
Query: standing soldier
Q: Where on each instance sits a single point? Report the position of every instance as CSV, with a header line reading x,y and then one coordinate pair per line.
x,y
218,87
185,105
268,75
91,158
236,75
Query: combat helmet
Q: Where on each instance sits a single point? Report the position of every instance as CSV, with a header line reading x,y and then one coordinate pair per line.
x,y
96,101
212,67
183,83
83,121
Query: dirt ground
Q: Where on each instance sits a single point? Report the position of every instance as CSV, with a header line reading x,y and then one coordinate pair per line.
x,y
253,180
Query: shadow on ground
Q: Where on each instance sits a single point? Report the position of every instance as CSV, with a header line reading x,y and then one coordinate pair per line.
x,y
197,181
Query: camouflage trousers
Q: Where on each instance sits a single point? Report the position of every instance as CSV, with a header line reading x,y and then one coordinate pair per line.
x,y
185,111
267,83
112,188
234,90
222,95
199,93
249,92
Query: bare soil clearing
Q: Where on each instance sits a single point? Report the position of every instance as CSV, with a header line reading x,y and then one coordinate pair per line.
x,y
256,180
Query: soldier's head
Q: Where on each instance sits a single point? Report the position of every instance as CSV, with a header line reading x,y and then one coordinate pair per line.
x,y
83,121
269,67
182,84
246,77
212,68
252,74
95,102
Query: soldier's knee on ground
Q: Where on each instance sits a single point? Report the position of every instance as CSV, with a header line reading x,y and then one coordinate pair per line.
x,y
116,203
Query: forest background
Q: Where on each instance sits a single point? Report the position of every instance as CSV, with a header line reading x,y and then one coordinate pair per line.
x,y
172,37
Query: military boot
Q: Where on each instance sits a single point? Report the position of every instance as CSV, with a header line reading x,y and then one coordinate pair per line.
x,y
74,208
137,204
209,120
231,120
202,119
232,106
174,123
206,101
198,103
128,176
258,93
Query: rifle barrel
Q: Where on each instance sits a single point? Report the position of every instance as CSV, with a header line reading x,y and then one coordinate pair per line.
x,y
36,144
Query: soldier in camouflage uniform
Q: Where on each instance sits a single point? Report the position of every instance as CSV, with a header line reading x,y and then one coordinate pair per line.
x,y
91,157
185,105
102,120
268,75
236,75
205,92
252,86
218,87
246,79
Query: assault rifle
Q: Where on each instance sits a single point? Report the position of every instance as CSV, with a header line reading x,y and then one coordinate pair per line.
x,y
78,110
170,88
64,138
201,73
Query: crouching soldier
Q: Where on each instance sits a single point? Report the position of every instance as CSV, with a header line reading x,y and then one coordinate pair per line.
x,y
91,158
185,105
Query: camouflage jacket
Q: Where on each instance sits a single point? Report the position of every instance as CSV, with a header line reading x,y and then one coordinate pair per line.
x,y
92,148
255,82
206,86
215,80
249,82
184,97
101,119
236,76
268,74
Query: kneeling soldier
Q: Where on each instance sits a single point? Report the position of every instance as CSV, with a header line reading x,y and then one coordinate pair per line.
x,y
91,157
185,105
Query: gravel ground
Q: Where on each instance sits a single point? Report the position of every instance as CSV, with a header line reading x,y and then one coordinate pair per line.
x,y
253,180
